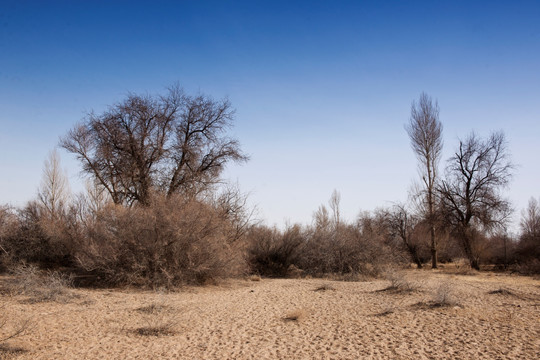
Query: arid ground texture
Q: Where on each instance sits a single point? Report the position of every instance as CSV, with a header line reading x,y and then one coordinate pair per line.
x,y
410,315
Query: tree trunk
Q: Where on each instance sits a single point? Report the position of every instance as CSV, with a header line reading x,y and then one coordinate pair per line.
x,y
467,239
434,259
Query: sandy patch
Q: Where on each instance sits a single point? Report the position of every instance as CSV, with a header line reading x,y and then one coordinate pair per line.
x,y
488,317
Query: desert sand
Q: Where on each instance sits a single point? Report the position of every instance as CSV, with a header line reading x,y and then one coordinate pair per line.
x,y
443,316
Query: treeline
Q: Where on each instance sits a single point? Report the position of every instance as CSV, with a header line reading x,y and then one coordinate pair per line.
x,y
155,212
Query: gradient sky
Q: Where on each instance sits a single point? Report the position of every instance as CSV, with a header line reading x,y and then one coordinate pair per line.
x,y
322,88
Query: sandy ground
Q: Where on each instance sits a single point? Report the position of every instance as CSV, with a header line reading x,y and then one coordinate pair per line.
x,y
248,320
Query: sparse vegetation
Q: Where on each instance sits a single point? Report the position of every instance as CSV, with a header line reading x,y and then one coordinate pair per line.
x,y
297,315
11,331
325,287
444,295
39,286
398,282
159,319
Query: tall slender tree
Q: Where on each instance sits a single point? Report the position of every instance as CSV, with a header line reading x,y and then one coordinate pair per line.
x,y
425,131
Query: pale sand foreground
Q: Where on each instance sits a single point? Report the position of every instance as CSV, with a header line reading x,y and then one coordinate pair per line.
x,y
245,320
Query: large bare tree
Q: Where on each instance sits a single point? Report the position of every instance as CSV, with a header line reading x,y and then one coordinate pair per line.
x,y
173,143
425,132
470,192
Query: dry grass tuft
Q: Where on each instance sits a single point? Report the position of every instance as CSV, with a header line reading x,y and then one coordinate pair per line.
x,y
10,352
385,312
296,315
325,287
153,308
17,329
29,281
398,283
501,291
156,330
159,319
444,295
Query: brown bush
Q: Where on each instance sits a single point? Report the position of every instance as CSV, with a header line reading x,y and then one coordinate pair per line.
x,y
272,252
325,248
33,237
170,242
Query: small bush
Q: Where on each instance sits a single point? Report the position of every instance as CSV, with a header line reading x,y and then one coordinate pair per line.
x,y
444,295
398,282
158,319
29,281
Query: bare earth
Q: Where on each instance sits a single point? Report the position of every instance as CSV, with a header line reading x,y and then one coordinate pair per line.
x,y
288,319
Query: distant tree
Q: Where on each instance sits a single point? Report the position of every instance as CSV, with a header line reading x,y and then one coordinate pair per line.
x,y
425,133
53,193
470,193
529,243
174,143
530,219
334,204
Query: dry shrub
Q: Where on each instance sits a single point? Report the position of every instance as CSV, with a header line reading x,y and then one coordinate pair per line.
x,y
444,295
272,252
398,282
171,242
528,266
34,236
14,331
38,286
11,331
357,251
8,229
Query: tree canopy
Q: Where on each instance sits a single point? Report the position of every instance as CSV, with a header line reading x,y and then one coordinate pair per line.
x,y
172,143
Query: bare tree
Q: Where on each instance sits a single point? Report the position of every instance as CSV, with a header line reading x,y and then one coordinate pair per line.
x,y
425,131
174,143
470,193
54,191
530,219
529,243
321,219
334,204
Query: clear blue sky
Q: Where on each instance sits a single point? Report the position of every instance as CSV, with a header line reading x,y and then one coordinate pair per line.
x,y
322,88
